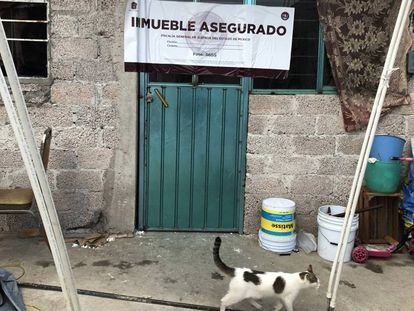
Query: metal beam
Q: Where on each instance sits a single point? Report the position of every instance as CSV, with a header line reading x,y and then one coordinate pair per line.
x,y
20,122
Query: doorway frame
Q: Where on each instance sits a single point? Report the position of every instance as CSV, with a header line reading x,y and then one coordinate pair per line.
x,y
245,91
246,88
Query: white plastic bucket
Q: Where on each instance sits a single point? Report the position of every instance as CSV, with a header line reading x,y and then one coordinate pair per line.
x,y
277,244
329,232
277,232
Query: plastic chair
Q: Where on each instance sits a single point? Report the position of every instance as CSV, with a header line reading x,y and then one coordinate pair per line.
x,y
21,200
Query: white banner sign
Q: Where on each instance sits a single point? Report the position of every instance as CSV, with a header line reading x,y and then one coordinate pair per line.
x,y
160,33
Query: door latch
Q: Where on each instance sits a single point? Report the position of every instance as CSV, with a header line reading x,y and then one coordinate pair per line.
x,y
162,99
149,97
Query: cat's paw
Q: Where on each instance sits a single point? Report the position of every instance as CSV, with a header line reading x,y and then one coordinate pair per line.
x,y
278,306
255,304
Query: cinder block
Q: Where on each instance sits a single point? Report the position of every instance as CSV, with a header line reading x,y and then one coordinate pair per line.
x,y
350,144
293,165
273,185
110,138
271,104
51,116
313,184
35,94
10,159
70,5
85,116
308,204
95,70
339,165
314,145
74,48
63,26
90,180
256,163
342,189
63,159
111,94
95,158
318,104
75,137
18,178
110,49
98,23
392,124
259,124
86,220
269,144
330,125
293,125
68,92
63,70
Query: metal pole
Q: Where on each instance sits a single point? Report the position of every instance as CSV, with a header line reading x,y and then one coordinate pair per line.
x,y
362,163
19,120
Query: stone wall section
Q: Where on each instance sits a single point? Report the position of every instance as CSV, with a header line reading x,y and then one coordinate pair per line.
x,y
80,103
297,149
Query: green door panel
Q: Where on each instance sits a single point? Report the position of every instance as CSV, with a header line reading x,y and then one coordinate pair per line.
x,y
192,158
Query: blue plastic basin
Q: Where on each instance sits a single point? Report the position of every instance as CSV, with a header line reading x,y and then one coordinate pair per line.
x,y
385,147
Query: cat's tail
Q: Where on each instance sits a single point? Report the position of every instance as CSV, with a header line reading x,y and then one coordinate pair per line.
x,y
217,260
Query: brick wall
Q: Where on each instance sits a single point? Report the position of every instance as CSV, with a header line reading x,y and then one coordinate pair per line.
x,y
297,149
296,145
80,104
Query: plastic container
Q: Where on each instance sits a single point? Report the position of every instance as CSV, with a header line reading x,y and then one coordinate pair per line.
x,y
329,232
277,244
385,147
307,242
383,177
278,224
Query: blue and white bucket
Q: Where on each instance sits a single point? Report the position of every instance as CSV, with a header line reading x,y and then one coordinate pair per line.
x,y
278,224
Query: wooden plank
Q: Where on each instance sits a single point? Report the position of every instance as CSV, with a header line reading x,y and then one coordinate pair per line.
x,y
19,120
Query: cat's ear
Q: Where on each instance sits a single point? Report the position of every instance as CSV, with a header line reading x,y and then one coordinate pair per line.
x,y
310,268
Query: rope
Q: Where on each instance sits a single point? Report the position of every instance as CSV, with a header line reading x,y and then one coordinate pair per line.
x,y
15,265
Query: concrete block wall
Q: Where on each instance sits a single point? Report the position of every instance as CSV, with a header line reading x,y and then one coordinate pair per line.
x,y
83,104
296,144
297,149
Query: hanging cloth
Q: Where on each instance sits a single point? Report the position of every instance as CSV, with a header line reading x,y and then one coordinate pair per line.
x,y
357,34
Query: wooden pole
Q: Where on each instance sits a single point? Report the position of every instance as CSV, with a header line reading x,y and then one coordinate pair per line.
x,y
20,122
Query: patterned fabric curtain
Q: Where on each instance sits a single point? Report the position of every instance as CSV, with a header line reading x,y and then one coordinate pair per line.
x,y
357,37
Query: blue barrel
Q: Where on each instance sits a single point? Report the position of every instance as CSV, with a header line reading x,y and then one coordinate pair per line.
x,y
387,146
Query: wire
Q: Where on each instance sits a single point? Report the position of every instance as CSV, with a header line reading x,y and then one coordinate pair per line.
x,y
19,266
34,307
15,265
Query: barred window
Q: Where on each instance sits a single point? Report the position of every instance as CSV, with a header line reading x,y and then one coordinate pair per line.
x,y
26,27
309,68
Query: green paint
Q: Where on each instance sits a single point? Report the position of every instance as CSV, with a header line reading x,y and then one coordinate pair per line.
x,y
192,172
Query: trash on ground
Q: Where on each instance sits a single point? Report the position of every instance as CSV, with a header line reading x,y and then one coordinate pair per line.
x,y
307,242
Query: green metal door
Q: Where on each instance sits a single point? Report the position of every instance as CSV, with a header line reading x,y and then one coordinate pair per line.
x,y
193,151
193,132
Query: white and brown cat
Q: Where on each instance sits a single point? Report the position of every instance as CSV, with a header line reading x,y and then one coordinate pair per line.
x,y
251,284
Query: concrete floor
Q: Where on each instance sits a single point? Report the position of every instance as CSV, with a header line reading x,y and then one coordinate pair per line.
x,y
179,267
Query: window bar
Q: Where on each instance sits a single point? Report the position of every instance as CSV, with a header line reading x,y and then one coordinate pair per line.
x,y
30,40
321,61
41,21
